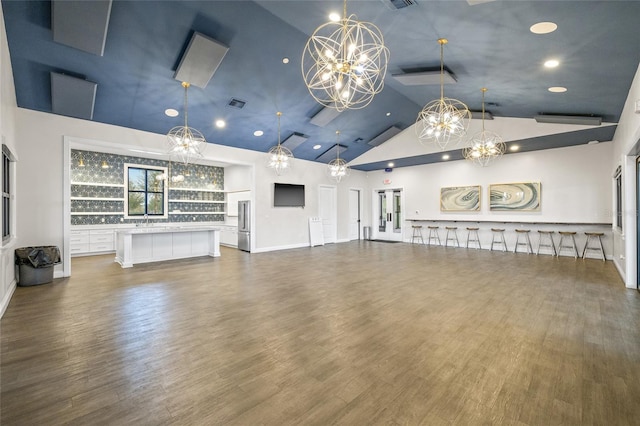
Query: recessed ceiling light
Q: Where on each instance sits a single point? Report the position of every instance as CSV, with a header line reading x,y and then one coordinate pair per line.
x,y
170,112
543,28
258,133
445,157
317,146
390,164
285,60
557,89
551,63
334,17
388,114
514,147
220,124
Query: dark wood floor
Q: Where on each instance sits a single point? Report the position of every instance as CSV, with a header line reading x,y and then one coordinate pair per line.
x,y
355,334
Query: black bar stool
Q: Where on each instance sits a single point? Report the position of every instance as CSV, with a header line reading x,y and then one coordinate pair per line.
x,y
453,229
500,234
433,235
417,234
552,245
570,237
473,232
594,236
526,242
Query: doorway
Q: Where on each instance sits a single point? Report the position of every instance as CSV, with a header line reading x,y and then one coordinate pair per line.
x,y
328,212
389,212
354,214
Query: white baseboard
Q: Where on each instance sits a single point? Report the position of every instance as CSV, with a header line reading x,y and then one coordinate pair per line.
x,y
7,298
276,248
623,275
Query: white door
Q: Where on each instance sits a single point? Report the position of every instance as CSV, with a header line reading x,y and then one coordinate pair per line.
x,y
354,214
389,214
328,212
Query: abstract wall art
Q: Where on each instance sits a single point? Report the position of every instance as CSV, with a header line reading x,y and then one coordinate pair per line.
x,y
515,196
460,198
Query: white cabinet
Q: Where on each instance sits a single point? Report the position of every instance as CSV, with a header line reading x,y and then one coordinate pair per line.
x,y
229,235
79,242
91,241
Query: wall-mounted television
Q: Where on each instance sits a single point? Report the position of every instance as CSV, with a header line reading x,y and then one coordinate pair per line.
x,y
288,195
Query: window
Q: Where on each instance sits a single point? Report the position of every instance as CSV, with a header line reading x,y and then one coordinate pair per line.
x,y
146,191
618,178
7,217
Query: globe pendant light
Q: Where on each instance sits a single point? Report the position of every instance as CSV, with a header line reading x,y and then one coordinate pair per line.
x,y
338,169
279,157
185,143
485,146
344,63
443,121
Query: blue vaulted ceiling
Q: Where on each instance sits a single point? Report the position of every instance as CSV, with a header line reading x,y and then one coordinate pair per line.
x,y
490,45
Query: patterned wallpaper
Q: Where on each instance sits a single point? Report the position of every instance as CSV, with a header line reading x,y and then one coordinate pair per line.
x,y
88,182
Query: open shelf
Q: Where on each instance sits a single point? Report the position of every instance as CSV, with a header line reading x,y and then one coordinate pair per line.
x,y
197,201
96,199
111,185
205,213
196,189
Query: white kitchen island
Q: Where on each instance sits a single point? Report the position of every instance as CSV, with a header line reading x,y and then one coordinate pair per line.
x,y
158,243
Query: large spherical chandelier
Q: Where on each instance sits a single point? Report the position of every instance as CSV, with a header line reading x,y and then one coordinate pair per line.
x,y
443,121
338,169
344,63
185,143
279,157
485,146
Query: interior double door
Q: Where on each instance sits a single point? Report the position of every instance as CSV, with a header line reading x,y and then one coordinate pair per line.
x,y
389,215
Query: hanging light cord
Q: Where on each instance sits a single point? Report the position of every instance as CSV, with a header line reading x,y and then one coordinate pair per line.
x,y
484,89
442,42
186,87
337,144
279,114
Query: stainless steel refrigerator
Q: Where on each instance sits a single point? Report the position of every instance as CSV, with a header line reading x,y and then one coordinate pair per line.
x,y
244,225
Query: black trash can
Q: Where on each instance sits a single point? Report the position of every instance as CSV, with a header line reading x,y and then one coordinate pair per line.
x,y
35,264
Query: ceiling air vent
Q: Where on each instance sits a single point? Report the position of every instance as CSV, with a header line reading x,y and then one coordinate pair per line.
x,y
325,116
331,153
587,120
294,141
81,24
201,60
398,4
477,115
72,96
236,103
423,78
384,136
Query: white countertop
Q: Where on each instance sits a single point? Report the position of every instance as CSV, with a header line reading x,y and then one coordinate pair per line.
x,y
167,229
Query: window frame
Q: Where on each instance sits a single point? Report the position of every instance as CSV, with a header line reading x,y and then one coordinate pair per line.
x,y
617,177
8,185
146,192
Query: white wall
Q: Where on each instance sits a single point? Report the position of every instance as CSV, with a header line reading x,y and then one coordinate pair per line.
x,y
575,185
7,130
626,143
41,177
